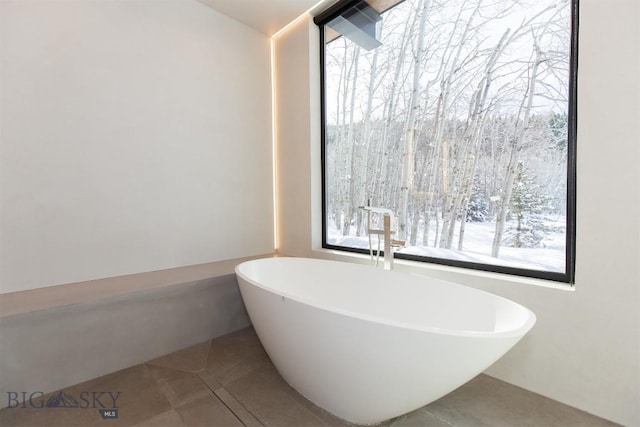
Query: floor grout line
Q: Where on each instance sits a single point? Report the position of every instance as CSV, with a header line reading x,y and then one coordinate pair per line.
x,y
423,409
239,417
248,419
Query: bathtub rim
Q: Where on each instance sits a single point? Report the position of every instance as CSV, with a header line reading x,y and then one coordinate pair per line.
x,y
519,331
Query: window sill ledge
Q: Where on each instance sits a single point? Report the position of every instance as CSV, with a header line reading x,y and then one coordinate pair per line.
x,y
453,274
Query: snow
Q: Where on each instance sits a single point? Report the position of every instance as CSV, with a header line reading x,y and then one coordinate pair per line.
x,y
550,256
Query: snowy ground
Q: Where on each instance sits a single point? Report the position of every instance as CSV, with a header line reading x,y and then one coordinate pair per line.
x,y
477,248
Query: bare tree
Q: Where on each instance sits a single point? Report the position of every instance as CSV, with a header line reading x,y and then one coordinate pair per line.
x,y
440,115
407,153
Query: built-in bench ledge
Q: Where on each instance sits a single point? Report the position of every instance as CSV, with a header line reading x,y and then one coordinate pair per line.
x,y
15,303
54,337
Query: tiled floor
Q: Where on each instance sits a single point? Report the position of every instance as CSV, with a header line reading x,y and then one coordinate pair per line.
x,y
230,381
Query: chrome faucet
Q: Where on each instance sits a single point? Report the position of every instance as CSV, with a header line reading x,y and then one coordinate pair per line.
x,y
386,232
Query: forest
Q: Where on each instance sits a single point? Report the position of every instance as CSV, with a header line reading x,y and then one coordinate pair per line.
x,y
458,123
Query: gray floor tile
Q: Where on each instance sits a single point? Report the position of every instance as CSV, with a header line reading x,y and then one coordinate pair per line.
x,y
486,401
191,359
48,417
210,380
274,377
419,418
207,411
137,398
179,387
235,355
270,402
230,381
166,419
238,410
140,396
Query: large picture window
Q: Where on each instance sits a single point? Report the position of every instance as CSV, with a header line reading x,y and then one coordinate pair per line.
x,y
459,117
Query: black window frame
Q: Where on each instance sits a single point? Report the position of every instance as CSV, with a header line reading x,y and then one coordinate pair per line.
x,y
568,276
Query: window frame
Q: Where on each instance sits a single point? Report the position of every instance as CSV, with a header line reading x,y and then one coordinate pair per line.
x,y
568,276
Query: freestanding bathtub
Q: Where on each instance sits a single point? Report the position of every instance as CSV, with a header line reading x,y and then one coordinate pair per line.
x,y
368,345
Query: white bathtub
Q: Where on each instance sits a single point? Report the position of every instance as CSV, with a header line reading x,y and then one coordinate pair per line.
x,y
368,345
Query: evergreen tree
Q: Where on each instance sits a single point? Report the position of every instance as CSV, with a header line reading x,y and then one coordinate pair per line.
x,y
478,208
528,203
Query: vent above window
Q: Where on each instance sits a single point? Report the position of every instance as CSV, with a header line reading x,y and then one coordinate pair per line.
x,y
360,24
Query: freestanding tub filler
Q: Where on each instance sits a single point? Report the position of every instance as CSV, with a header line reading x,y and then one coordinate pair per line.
x,y
367,344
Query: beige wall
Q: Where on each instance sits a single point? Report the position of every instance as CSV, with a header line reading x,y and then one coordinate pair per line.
x,y
135,136
585,347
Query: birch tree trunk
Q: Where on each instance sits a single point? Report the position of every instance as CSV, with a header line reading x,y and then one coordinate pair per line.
x,y
450,200
516,141
407,155
353,156
382,195
474,135
364,172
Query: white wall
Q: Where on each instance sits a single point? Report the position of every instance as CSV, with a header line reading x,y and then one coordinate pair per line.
x,y
585,347
135,136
